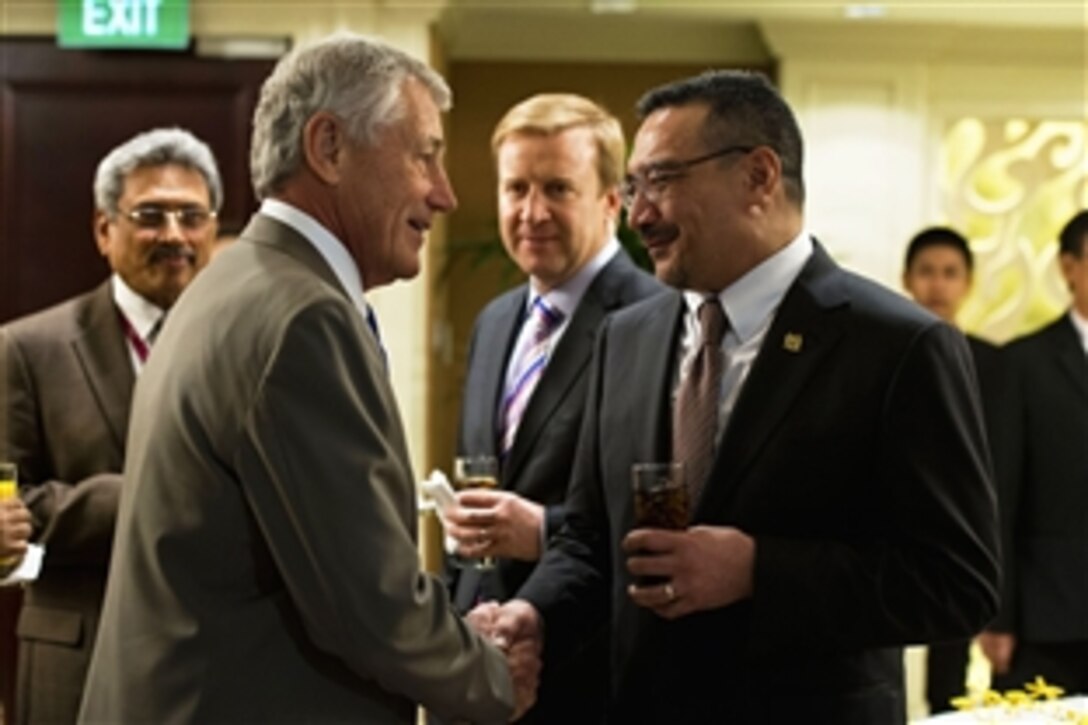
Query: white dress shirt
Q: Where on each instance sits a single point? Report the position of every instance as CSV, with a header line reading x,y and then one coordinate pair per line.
x,y
750,304
142,315
1081,325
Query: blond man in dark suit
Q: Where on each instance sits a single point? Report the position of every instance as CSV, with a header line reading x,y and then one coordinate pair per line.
x,y
266,566
560,161
69,374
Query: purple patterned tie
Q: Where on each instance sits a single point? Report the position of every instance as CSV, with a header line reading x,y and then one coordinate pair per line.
x,y
542,322
695,413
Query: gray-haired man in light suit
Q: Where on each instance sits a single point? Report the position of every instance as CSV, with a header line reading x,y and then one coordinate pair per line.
x,y
266,566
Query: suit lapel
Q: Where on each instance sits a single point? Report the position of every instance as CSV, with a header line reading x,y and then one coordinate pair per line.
x,y
499,336
481,404
655,364
805,329
1071,357
103,355
568,362
268,232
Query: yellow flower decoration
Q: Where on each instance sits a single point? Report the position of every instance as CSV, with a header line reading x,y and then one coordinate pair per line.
x,y
963,702
1030,698
1040,689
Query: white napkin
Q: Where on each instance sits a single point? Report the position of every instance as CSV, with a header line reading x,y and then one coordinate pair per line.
x,y
437,486
28,568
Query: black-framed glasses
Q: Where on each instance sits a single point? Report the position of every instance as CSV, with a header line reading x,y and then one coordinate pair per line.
x,y
653,181
155,217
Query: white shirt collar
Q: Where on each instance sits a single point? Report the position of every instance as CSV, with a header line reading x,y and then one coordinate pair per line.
x,y
753,298
1081,325
140,313
331,249
568,295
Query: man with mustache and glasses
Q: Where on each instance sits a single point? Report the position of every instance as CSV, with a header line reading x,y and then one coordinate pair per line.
x,y
831,439
69,375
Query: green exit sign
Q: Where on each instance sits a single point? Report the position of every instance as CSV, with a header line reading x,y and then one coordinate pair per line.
x,y
123,24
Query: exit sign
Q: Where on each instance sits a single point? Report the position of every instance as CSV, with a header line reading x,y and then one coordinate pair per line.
x,y
123,24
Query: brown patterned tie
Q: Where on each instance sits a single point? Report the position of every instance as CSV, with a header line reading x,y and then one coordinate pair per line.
x,y
695,413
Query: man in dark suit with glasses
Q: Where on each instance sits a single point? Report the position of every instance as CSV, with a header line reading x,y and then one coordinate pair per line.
x,y
830,435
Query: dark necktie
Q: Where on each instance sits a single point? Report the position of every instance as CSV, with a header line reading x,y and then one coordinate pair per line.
x,y
372,322
153,333
695,413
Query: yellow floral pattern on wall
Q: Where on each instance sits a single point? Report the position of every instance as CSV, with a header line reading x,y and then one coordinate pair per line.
x,y
1010,185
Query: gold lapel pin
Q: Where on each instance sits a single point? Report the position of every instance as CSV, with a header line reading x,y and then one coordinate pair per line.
x,y
793,341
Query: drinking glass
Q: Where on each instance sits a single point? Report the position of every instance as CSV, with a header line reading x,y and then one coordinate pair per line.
x,y
9,488
478,471
661,496
661,501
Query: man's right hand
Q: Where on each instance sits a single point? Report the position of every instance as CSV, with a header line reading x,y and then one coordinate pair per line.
x,y
14,530
998,648
517,630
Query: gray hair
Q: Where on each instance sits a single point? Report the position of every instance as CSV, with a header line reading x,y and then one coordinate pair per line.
x,y
158,147
356,78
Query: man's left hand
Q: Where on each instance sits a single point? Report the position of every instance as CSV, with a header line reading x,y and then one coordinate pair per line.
x,y
496,523
704,567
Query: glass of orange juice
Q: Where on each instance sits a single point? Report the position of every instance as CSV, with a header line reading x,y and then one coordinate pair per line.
x,y
9,481
9,488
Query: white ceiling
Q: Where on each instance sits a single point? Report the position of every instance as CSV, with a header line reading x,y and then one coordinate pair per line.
x,y
1039,13
730,30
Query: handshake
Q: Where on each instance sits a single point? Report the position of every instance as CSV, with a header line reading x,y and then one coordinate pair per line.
x,y
515,628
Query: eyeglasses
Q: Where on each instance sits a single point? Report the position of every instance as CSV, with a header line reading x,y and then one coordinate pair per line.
x,y
155,217
655,179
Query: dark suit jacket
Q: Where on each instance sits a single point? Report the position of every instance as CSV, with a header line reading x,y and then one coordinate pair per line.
x,y
266,566
1042,462
539,464
857,461
69,381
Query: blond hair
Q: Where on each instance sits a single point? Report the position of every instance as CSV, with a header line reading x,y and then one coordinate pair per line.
x,y
548,114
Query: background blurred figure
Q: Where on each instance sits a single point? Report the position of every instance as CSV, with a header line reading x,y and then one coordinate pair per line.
x,y
1042,465
938,273
841,502
69,372
560,160
266,566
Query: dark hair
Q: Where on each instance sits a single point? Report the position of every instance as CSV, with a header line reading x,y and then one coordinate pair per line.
x,y
939,237
1074,235
745,109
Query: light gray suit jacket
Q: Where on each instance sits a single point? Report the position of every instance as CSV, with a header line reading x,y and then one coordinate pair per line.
x,y
68,383
265,566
